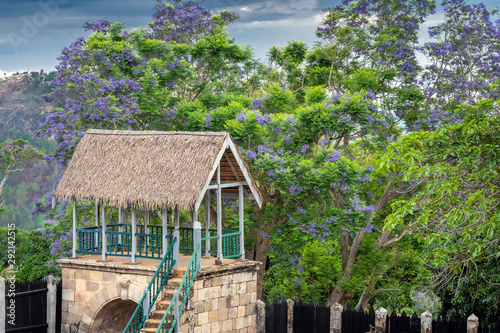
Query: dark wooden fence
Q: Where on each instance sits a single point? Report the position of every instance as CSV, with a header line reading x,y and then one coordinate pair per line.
x,y
31,307
310,318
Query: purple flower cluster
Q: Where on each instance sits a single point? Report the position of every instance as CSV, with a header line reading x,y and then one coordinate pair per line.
x,y
334,157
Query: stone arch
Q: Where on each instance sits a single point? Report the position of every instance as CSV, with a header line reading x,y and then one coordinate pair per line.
x,y
123,291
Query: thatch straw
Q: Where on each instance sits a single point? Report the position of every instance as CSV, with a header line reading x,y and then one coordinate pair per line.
x,y
146,168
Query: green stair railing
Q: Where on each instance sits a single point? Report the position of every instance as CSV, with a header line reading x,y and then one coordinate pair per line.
x,y
141,313
170,320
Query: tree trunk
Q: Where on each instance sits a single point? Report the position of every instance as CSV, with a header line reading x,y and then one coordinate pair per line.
x,y
339,296
261,250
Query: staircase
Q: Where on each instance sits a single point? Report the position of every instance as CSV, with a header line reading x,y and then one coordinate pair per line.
x,y
173,282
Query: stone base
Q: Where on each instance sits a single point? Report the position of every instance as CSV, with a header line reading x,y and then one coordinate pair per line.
x,y
223,299
89,285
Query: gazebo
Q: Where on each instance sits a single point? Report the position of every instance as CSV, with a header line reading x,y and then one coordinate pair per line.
x,y
153,170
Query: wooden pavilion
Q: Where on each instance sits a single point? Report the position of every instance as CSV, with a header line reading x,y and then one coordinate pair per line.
x,y
153,170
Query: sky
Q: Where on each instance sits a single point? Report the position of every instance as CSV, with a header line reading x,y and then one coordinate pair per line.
x,y
33,32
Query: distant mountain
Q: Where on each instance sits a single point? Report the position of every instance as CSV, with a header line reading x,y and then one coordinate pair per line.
x,y
21,106
22,109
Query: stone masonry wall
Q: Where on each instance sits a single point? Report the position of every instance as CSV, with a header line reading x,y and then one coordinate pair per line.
x,y
223,299
89,285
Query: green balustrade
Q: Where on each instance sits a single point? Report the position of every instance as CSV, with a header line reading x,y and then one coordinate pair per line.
x,y
169,320
141,313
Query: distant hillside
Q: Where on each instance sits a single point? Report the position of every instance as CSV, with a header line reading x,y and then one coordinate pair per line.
x,y
21,111
21,106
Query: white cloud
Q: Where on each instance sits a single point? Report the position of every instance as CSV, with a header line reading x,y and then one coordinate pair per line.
x,y
288,22
7,72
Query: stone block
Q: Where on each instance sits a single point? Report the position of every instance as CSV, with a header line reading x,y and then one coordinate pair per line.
x,y
249,276
240,323
222,314
207,283
197,329
215,303
241,311
217,281
252,286
253,297
82,274
235,300
207,305
252,329
199,306
109,277
86,320
68,273
232,313
227,325
213,316
68,283
198,284
80,296
105,294
203,294
245,299
95,276
215,327
250,309
238,277
227,279
64,306
241,288
92,286
205,328
68,295
202,318
80,284
94,304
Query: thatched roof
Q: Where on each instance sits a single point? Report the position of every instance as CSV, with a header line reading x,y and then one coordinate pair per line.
x,y
152,169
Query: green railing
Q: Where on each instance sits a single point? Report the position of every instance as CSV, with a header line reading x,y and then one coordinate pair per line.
x,y
171,317
230,244
141,313
119,241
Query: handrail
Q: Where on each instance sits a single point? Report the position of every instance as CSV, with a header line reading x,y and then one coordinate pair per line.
x,y
140,314
230,244
171,316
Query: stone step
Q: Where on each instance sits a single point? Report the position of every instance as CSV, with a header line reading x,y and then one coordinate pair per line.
x,y
152,323
157,314
148,330
163,304
173,283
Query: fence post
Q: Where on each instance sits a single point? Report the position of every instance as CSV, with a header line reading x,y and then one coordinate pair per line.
x,y
51,303
261,317
426,322
197,242
3,309
176,310
289,316
380,320
472,324
145,303
176,235
336,318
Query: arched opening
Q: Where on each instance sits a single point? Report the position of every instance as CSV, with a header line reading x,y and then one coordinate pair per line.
x,y
113,316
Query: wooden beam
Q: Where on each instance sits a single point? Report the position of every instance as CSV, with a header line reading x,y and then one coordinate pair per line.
x,y
244,171
207,222
103,233
220,255
232,167
215,167
134,239
226,185
73,252
241,224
